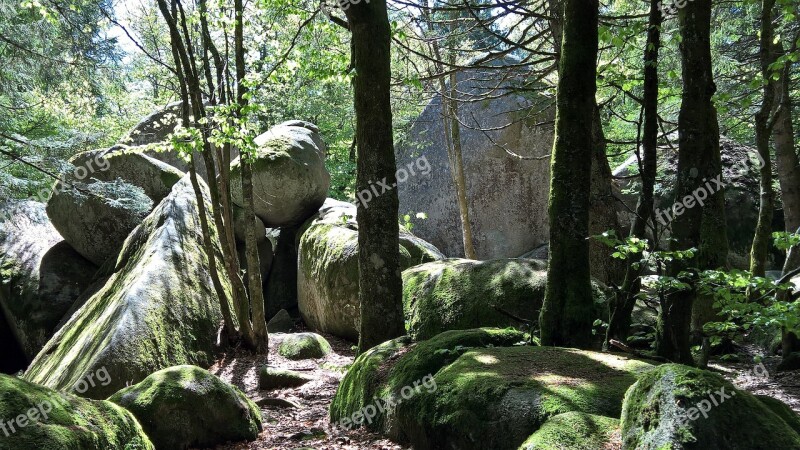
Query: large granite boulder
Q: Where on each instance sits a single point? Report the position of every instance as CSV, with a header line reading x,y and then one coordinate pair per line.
x,y
457,294
187,407
290,181
680,407
574,431
476,389
41,276
507,196
132,165
37,418
96,217
158,309
327,278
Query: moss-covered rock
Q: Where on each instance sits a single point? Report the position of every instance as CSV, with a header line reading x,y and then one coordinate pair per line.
x,y
303,346
458,294
95,217
275,378
185,406
327,279
41,276
290,181
484,392
782,410
158,309
574,431
679,407
132,165
37,418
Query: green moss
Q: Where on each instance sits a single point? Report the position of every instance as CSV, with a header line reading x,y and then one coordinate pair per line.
x,y
655,406
186,406
275,378
304,346
72,423
782,410
573,431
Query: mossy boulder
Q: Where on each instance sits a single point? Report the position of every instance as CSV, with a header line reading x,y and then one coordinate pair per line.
x,y
290,181
457,294
574,431
783,410
96,217
158,309
156,127
303,346
186,407
485,391
275,378
327,278
680,407
54,421
132,165
41,276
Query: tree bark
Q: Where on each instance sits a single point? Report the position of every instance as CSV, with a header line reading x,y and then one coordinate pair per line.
x,y
567,314
698,226
457,166
380,285
761,238
625,300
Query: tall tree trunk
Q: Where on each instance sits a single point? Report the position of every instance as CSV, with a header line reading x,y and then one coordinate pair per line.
x,y
701,226
567,313
457,168
380,285
251,245
622,305
761,238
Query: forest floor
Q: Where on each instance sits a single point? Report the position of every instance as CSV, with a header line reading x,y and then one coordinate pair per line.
x,y
302,421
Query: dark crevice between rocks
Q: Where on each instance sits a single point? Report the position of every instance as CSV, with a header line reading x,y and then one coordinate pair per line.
x,y
12,358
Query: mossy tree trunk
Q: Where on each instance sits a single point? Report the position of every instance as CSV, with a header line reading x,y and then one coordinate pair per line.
x,y
380,285
625,299
567,314
698,226
763,126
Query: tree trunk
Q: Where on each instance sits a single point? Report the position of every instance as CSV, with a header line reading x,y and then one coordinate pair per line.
x,y
567,313
256,298
623,303
761,238
380,285
457,167
701,226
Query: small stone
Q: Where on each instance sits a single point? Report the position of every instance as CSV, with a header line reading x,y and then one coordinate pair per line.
x,y
274,378
280,323
304,346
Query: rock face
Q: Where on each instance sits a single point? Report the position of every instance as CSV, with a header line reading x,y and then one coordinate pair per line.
x,y
53,420
303,346
41,276
518,191
290,181
156,127
188,407
327,279
132,165
679,407
457,294
96,217
157,310
474,389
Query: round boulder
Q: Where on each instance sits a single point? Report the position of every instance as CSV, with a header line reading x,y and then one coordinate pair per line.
x,y
290,181
303,346
96,217
35,418
185,407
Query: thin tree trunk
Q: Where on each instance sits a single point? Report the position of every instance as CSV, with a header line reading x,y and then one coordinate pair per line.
x,y
623,304
380,285
698,226
761,238
457,163
251,245
568,310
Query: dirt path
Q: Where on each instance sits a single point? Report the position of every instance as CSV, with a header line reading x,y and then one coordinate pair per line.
x,y
306,425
